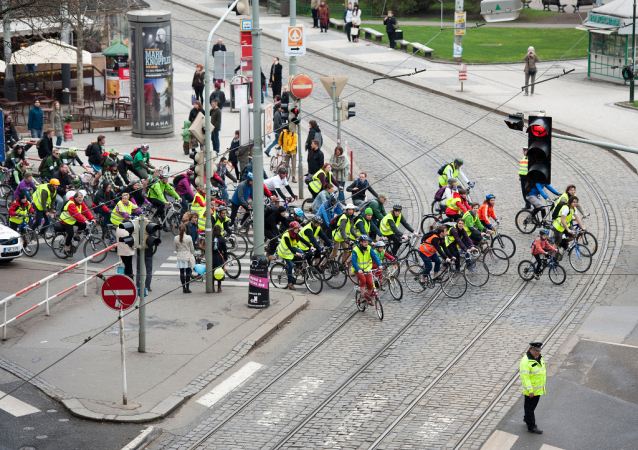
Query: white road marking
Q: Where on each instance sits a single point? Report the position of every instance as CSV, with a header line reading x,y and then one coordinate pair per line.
x,y
500,440
229,384
610,343
550,447
15,407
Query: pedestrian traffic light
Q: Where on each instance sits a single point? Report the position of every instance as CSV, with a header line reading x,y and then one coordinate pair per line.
x,y
295,112
515,121
241,8
151,241
200,169
539,149
286,112
133,228
345,106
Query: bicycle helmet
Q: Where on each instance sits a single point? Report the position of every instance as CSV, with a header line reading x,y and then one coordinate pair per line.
x,y
164,176
128,158
144,146
222,208
298,212
83,192
458,161
73,151
380,244
54,182
364,237
250,175
294,224
397,207
282,169
317,219
69,195
333,198
489,196
189,172
112,152
350,206
544,231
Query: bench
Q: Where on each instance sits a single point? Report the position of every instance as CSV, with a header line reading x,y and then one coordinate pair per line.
x,y
403,44
427,51
548,3
580,3
526,4
372,35
336,24
108,123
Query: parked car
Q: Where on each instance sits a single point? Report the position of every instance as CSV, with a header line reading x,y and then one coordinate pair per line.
x,y
10,244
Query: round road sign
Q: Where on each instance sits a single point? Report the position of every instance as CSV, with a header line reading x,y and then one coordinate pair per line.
x,y
119,292
301,86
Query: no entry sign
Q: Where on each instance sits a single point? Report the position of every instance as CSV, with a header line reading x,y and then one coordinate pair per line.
x,y
301,86
119,292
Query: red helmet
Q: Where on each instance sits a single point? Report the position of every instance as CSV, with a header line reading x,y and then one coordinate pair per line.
x,y
294,224
189,172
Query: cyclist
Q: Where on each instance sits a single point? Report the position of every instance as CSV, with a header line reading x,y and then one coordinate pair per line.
x,y
108,158
380,250
94,152
157,198
220,217
363,259
19,212
137,193
279,181
310,232
75,212
104,201
540,246
473,226
240,198
321,179
522,176
453,170
296,214
18,174
364,224
199,201
71,156
141,161
124,166
563,222
447,194
432,245
457,237
562,201
26,186
323,196
344,232
43,202
288,250
486,211
389,228
110,174
330,209
457,205
50,164
536,190
273,219
182,185
123,210
219,179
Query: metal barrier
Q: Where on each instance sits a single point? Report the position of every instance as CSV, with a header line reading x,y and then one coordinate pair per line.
x,y
46,281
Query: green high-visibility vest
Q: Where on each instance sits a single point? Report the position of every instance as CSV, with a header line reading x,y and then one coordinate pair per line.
x,y
364,259
384,227
117,218
522,166
533,375
307,227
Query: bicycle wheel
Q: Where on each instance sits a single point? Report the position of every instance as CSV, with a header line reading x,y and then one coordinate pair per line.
x,y
238,245
57,245
173,223
49,234
413,259
588,240
427,223
351,274
379,307
525,222
396,290
279,276
496,261
413,281
557,274
505,243
233,266
361,304
526,270
338,277
476,273
392,269
93,245
273,164
313,281
455,285
30,243
433,206
306,206
580,258
6,198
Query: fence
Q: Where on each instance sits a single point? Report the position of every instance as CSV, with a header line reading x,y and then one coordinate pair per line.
x,y
46,281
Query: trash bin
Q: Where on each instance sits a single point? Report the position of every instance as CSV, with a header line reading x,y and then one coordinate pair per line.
x,y
284,8
398,35
258,293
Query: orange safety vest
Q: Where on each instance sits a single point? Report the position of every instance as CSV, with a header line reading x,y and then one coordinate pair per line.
x,y
427,248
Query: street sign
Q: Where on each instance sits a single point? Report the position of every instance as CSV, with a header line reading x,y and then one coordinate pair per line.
x,y
301,86
462,72
269,110
119,292
339,82
246,24
293,40
459,23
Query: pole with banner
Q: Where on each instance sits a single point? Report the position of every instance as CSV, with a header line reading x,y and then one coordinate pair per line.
x,y
258,155
459,30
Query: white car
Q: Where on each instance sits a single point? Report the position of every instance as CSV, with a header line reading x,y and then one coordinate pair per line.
x,y
10,244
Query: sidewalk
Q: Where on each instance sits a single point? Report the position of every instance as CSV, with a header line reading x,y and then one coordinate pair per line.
x,y
579,105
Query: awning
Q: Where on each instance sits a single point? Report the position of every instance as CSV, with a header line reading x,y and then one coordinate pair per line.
x,y
49,51
34,26
598,30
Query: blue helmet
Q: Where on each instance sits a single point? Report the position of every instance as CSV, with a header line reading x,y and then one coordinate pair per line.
x,y
489,196
364,237
544,231
298,212
250,175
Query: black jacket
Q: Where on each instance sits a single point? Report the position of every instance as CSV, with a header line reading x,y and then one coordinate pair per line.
x,y
232,154
193,114
45,147
315,161
218,48
360,194
389,28
66,182
219,96
10,134
314,133
285,97
102,198
95,154
275,73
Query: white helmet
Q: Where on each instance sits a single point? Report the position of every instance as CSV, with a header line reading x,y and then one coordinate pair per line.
x,y
83,192
69,195
350,206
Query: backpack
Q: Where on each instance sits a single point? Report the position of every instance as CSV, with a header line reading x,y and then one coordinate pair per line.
x,y
177,179
442,168
308,178
87,150
42,164
556,210
364,205
134,152
439,194
334,221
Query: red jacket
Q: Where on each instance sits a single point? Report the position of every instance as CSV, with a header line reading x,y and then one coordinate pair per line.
x,y
86,213
15,205
463,204
539,246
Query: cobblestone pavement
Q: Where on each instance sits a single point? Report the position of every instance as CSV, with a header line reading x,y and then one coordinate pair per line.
x,y
364,409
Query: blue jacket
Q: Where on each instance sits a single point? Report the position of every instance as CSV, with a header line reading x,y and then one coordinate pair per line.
x,y
35,119
327,212
244,190
375,258
538,189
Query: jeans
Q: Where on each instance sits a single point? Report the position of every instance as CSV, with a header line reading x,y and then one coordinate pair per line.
x,y
427,263
224,192
290,263
59,202
185,277
35,134
37,222
58,141
348,28
187,199
214,137
275,142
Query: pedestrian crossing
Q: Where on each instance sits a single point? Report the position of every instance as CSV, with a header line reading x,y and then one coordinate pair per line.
x,y
169,268
15,407
501,440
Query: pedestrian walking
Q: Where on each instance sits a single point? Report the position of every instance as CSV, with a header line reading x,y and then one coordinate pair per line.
x,y
45,144
339,164
185,250
232,153
324,16
533,377
347,19
218,95
391,24
124,252
199,82
315,157
278,125
313,133
530,68
57,123
148,264
274,81
220,256
216,122
356,22
522,177
314,7
35,124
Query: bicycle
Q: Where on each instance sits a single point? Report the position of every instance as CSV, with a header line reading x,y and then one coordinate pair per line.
x,y
304,273
361,301
496,261
502,242
585,238
30,241
92,244
475,272
232,263
579,256
335,273
277,161
436,204
527,223
557,275
388,278
453,283
172,215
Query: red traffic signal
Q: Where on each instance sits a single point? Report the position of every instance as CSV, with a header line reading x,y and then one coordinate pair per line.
x,y
539,149
537,130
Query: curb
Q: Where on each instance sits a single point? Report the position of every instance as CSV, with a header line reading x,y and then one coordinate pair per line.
x,y
626,105
146,437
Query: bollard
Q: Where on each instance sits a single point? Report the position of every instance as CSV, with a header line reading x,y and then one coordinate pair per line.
x,y
258,293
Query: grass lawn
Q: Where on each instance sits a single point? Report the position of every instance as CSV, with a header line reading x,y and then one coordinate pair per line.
x,y
550,43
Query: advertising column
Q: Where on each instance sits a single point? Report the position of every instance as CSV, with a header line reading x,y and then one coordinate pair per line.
x,y
151,73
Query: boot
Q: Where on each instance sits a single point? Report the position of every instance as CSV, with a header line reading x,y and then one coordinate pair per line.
x,y
292,287
219,285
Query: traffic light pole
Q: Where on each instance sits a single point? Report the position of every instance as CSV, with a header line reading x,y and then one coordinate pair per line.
x,y
338,122
299,158
209,224
258,155
633,61
142,272
292,62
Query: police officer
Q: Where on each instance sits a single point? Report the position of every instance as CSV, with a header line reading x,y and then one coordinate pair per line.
x,y
533,377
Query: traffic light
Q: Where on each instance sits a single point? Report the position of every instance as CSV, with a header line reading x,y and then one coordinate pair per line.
x,y
345,106
285,115
133,228
539,149
200,169
151,241
293,116
515,121
241,8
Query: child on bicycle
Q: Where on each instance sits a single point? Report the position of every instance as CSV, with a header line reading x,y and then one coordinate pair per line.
x,y
540,246
486,211
379,249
